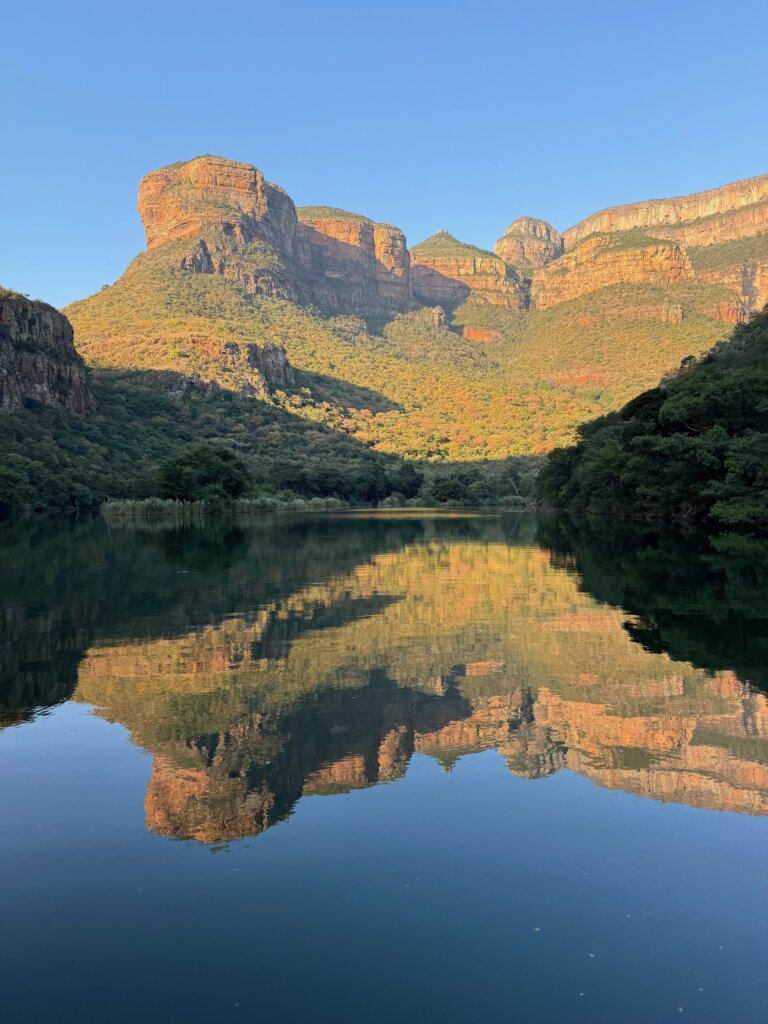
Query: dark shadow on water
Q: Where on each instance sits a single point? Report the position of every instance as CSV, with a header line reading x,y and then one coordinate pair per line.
x,y
696,597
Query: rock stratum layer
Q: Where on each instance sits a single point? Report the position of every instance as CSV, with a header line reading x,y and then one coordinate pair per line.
x,y
597,264
38,360
446,271
368,257
675,217
229,213
240,226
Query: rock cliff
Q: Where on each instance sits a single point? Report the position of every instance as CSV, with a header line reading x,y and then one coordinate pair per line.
x,y
529,244
182,200
445,271
242,227
38,359
671,218
225,219
598,263
365,256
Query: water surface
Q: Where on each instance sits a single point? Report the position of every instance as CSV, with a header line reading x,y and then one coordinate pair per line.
x,y
380,767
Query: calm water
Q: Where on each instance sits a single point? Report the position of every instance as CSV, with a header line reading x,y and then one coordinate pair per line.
x,y
377,769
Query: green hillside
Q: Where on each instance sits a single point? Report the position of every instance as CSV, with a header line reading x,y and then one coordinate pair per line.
x,y
693,448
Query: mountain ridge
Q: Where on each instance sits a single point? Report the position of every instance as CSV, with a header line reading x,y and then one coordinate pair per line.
x,y
442,352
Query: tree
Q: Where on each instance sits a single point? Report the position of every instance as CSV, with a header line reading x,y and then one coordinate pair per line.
x,y
203,472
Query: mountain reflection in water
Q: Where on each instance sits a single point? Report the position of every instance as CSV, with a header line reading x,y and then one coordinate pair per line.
x,y
261,662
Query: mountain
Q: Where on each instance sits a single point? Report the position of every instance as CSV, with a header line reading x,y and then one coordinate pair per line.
x,y
694,448
568,325
445,353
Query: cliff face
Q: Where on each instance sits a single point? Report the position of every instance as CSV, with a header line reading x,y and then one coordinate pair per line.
x,y
182,200
241,227
246,229
366,257
262,368
597,263
647,244
674,214
529,244
38,359
747,279
445,271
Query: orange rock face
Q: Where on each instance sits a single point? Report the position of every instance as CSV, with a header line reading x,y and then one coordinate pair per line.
x,y
747,279
222,207
182,200
529,243
729,312
448,280
356,251
241,227
479,334
597,264
676,214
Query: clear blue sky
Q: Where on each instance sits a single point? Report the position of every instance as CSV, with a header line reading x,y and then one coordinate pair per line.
x,y
425,114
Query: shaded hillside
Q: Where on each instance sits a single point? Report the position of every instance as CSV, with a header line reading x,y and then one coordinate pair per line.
x,y
695,447
53,458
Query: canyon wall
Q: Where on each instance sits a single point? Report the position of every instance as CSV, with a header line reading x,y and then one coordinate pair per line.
x,y
242,227
596,264
445,271
674,213
363,255
246,229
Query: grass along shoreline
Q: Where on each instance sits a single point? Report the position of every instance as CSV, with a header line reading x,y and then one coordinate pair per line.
x,y
148,508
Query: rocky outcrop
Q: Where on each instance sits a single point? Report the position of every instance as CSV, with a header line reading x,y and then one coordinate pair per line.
x,y
246,368
731,311
182,200
480,334
364,256
529,244
671,218
598,263
38,360
747,279
445,271
252,266
242,227
264,368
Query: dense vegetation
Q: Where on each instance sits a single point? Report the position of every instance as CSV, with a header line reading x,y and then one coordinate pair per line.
x,y
203,472
444,245
693,448
53,458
